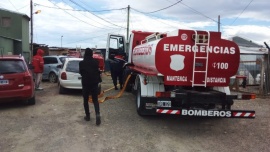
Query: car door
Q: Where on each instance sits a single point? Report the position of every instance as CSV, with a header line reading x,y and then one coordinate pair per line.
x,y
46,67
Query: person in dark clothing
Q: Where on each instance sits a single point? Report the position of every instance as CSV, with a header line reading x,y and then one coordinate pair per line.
x,y
90,73
116,66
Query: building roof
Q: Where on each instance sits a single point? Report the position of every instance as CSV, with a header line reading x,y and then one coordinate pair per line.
x,y
23,15
11,38
253,50
244,42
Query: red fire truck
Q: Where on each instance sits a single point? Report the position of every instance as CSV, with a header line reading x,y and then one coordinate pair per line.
x,y
183,72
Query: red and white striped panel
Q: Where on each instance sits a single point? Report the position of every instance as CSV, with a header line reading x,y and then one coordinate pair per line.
x,y
167,111
244,114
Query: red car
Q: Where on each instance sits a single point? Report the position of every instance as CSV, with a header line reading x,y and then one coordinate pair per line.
x,y
16,80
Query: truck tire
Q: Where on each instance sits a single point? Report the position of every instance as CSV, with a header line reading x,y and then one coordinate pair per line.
x,y
138,100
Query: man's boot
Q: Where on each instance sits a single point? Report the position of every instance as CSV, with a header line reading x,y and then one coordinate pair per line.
x,y
87,118
115,88
98,121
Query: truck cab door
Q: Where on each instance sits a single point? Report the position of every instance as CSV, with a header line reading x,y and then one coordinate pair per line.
x,y
116,45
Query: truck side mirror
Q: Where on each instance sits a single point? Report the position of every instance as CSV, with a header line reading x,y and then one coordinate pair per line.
x,y
121,41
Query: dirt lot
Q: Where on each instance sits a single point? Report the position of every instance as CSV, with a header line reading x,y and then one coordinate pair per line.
x,y
55,124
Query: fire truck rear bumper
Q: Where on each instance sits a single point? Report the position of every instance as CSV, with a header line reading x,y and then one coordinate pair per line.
x,y
207,113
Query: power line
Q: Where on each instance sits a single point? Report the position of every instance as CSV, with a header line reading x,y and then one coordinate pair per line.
x,y
91,18
23,7
241,12
198,12
36,4
159,9
152,16
76,17
13,5
94,14
89,38
175,4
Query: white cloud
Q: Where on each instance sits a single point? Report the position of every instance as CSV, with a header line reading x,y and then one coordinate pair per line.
x,y
257,34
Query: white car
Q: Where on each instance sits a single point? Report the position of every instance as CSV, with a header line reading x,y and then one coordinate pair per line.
x,y
258,78
69,76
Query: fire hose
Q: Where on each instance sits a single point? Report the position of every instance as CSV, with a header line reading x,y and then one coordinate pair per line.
x,y
110,97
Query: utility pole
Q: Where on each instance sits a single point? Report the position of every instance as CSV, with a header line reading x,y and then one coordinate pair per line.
x,y
31,37
128,22
61,41
218,23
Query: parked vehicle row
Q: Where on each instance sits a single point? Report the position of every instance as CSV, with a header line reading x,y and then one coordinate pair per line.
x,y
53,63
17,81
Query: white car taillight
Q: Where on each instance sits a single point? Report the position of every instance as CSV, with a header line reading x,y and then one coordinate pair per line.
x,y
63,76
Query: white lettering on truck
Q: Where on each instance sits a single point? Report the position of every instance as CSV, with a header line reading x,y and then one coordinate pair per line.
x,y
216,80
177,78
202,48
210,113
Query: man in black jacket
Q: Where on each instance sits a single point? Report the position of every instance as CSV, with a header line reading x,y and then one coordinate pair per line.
x,y
116,67
90,73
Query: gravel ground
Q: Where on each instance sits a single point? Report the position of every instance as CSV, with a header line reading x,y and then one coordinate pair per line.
x,y
55,124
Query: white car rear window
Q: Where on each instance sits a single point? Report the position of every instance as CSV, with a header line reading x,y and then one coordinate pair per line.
x,y
73,66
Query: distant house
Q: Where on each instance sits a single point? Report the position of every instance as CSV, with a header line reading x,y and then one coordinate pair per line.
x,y
251,55
14,33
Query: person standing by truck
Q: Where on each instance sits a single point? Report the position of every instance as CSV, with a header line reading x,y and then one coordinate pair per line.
x,y
116,66
90,73
38,64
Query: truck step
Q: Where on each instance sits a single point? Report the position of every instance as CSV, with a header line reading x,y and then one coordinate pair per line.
x,y
202,84
200,71
201,57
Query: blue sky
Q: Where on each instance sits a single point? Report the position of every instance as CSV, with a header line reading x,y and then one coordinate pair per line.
x,y
86,23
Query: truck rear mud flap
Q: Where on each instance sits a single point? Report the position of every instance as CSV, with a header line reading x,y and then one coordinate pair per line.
x,y
208,113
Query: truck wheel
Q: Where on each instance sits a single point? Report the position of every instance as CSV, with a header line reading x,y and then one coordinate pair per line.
x,y
139,101
125,75
52,78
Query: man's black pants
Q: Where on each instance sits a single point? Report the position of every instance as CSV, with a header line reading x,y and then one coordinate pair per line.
x,y
93,89
118,75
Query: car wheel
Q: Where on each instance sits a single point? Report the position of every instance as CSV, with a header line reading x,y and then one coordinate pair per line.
x,y
62,90
52,78
31,101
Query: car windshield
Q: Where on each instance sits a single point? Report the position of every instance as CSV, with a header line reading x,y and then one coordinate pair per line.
x,y
73,66
12,66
